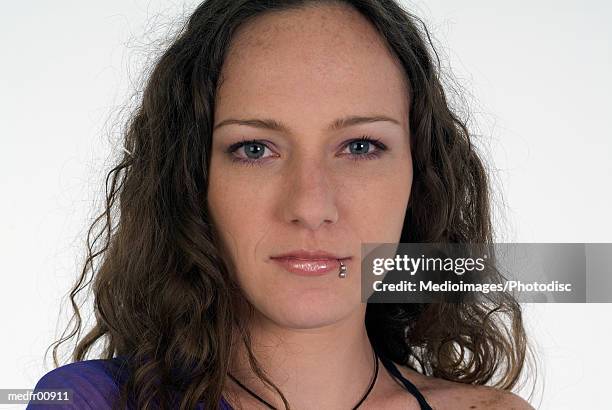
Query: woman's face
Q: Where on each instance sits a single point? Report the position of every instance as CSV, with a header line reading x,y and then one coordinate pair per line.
x,y
303,185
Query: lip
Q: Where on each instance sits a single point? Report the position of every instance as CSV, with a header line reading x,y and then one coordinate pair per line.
x,y
309,263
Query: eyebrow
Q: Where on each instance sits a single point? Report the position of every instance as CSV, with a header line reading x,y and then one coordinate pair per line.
x,y
337,124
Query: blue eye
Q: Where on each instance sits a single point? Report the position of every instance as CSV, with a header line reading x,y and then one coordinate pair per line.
x,y
361,148
253,150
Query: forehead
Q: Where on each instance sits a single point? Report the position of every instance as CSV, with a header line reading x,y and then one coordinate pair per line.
x,y
310,65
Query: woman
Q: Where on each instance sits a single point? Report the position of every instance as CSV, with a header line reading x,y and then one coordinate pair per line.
x,y
273,138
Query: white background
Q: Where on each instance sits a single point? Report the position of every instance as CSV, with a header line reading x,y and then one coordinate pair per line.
x,y
537,77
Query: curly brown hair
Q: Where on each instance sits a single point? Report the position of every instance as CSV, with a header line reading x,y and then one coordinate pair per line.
x,y
164,296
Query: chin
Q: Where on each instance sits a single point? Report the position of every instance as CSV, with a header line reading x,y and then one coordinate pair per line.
x,y
306,311
305,320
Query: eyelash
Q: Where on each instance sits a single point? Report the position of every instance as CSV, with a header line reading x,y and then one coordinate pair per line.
x,y
354,157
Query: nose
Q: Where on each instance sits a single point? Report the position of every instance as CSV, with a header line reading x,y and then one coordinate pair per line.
x,y
310,197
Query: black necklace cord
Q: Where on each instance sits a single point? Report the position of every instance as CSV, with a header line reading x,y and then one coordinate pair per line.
x,y
354,408
365,396
251,392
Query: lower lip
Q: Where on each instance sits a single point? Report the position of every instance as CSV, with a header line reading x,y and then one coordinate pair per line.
x,y
308,267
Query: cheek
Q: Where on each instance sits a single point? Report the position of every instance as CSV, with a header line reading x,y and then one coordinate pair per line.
x,y
239,208
377,206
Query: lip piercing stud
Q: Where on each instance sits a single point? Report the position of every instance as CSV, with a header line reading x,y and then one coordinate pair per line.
x,y
342,273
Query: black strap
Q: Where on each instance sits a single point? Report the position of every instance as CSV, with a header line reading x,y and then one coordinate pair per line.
x,y
409,386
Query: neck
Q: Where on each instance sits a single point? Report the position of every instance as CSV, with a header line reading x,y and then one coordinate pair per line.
x,y
325,367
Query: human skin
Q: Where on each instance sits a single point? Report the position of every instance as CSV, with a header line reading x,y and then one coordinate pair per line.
x,y
305,69
308,192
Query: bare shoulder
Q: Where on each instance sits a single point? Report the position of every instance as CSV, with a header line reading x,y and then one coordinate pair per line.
x,y
484,397
443,394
